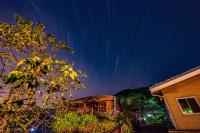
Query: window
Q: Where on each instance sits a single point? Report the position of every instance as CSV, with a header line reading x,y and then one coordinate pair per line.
x,y
189,105
103,107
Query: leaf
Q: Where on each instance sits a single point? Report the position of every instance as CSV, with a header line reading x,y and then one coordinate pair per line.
x,y
70,69
30,54
66,73
27,61
42,80
73,75
20,63
18,18
10,79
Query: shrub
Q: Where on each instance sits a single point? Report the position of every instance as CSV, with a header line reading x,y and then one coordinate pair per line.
x,y
72,121
105,126
66,121
88,122
126,128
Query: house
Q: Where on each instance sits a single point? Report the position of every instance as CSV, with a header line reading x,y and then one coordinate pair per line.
x,y
181,95
95,104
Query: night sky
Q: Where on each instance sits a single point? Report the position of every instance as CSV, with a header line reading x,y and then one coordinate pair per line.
x,y
120,44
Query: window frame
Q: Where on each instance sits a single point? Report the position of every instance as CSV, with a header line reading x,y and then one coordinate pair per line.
x,y
188,104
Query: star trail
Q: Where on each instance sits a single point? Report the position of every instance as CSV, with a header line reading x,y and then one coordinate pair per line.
x,y
120,44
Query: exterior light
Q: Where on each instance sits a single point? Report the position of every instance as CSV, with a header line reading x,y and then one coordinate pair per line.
x,y
149,115
33,130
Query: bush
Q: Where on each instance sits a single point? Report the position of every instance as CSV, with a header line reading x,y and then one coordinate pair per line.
x,y
72,121
105,126
126,128
107,117
88,122
65,121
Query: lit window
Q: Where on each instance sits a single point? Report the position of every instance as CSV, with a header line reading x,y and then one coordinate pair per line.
x,y
189,105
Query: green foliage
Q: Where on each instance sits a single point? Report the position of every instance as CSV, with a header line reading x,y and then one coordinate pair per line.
x,y
126,128
105,126
87,121
141,101
133,102
31,74
109,122
66,122
72,121
155,112
107,117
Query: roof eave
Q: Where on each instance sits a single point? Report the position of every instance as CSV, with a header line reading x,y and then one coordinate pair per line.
x,y
186,75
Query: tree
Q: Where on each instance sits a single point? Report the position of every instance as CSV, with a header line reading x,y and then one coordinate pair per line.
x,y
32,78
139,105
132,105
155,112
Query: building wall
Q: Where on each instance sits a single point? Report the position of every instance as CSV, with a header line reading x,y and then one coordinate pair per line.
x,y
93,108
187,88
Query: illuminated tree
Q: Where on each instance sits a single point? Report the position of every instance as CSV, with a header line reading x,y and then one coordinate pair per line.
x,y
32,78
143,107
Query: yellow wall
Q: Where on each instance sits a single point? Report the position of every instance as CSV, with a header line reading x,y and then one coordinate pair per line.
x,y
187,88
